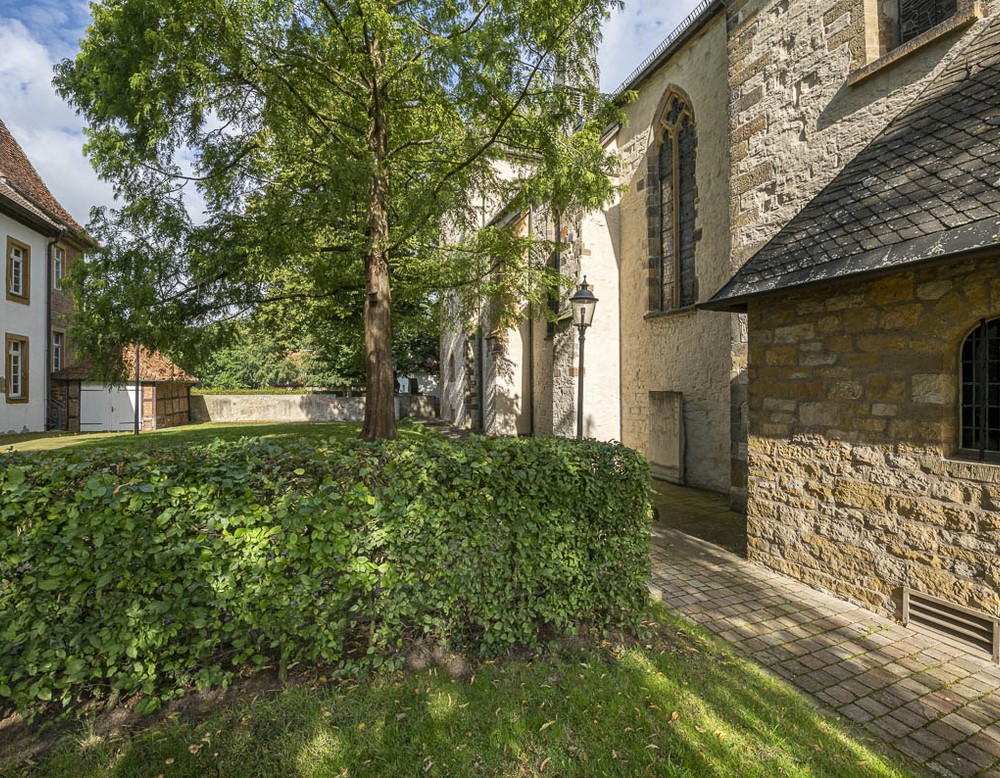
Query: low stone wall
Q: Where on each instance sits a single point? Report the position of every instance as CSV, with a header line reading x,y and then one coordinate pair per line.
x,y
855,483
299,407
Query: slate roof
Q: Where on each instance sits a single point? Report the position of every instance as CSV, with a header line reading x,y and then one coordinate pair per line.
x,y
926,188
21,185
153,368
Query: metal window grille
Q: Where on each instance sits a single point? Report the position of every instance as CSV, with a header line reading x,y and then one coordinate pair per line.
x,y
677,211
981,389
918,16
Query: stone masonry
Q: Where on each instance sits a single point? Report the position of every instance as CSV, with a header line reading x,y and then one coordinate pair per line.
x,y
854,484
684,351
811,83
809,87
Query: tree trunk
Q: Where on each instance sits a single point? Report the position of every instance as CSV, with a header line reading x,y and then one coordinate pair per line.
x,y
380,416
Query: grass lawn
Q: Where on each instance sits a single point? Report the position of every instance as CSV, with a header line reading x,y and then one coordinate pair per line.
x,y
674,704
194,433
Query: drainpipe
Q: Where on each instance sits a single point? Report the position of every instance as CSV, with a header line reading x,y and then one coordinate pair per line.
x,y
138,390
48,328
531,345
481,370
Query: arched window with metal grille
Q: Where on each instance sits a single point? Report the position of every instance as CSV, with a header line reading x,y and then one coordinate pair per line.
x,y
981,389
673,283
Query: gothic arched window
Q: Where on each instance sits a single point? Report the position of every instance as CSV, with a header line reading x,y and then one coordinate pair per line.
x,y
672,278
981,388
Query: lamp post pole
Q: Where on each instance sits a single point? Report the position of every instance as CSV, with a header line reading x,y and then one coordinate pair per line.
x,y
579,392
583,302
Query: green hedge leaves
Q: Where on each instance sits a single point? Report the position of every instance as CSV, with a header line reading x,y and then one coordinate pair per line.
x,y
154,571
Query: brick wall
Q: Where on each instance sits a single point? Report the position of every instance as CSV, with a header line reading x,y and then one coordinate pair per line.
x,y
62,305
853,403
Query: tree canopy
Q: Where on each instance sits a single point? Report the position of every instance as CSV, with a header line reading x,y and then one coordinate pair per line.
x,y
323,142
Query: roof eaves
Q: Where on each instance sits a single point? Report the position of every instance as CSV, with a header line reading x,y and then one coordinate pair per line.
x,y
974,238
691,25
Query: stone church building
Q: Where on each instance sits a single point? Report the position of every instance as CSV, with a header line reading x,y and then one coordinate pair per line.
x,y
800,293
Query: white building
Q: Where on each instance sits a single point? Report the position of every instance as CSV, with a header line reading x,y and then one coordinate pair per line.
x,y
39,240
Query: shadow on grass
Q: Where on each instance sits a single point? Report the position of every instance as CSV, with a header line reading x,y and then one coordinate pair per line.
x,y
674,705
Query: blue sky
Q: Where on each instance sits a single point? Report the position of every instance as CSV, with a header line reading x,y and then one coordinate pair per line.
x,y
36,34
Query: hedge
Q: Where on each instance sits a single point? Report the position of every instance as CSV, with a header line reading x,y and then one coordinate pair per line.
x,y
149,572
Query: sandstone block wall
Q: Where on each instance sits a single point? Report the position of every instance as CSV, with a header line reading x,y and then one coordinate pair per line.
x,y
798,111
686,351
811,82
855,485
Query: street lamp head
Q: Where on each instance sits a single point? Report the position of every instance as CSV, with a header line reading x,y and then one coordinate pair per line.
x,y
583,302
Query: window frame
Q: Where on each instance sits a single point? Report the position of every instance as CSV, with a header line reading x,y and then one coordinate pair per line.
x,y
23,373
898,39
665,128
58,266
979,406
57,349
23,296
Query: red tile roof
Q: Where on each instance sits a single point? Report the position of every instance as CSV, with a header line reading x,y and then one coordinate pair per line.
x,y
21,184
153,368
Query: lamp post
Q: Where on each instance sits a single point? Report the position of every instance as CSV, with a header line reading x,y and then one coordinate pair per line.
x,y
583,302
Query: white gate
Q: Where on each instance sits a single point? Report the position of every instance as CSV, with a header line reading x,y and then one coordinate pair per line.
x,y
107,408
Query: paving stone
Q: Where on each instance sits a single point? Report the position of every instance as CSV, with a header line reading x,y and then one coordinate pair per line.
x,y
986,743
961,723
873,706
946,732
912,720
977,756
932,740
893,726
955,765
982,712
932,703
856,713
914,749
840,695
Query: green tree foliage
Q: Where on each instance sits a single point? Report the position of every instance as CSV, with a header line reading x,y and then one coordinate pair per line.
x,y
325,140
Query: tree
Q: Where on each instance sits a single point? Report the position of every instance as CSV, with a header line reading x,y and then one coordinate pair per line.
x,y
325,141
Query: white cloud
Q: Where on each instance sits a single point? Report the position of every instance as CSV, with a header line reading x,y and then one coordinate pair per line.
x,y
631,35
47,128
46,31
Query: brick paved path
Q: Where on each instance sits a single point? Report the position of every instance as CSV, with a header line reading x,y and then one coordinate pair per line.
x,y
935,703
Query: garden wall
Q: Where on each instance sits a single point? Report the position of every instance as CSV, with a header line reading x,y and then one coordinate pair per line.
x,y
299,407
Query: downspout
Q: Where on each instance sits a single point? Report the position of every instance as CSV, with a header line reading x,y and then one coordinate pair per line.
x,y
48,329
531,344
138,391
481,370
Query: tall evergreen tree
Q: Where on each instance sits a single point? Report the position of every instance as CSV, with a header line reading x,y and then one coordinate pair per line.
x,y
326,141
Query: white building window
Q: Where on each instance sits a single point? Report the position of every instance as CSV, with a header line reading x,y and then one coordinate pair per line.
x,y
17,368
57,350
58,266
18,271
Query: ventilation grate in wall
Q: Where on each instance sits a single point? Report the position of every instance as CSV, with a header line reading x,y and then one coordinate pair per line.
x,y
968,627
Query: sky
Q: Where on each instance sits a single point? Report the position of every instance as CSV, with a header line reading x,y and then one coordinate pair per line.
x,y
37,34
